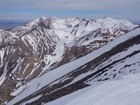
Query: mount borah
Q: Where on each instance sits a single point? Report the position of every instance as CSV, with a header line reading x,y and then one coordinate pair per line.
x,y
50,57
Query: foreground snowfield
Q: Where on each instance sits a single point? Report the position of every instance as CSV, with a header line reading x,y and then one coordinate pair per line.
x,y
110,90
125,91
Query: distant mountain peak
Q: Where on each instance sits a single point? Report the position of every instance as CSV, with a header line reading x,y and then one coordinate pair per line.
x,y
32,51
108,18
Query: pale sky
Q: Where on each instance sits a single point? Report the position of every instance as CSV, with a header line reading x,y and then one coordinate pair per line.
x,y
32,9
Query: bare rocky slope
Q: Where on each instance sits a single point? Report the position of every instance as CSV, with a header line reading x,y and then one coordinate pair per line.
x,y
38,49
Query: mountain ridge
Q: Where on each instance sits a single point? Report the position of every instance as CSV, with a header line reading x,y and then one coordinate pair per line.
x,y
76,86
41,46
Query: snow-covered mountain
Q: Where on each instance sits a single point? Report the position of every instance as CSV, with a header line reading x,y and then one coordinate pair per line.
x,y
112,61
49,57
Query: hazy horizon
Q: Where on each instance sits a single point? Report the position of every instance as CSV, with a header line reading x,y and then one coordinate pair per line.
x,y
28,20
32,9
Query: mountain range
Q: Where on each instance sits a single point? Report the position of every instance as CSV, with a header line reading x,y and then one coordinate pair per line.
x,y
51,58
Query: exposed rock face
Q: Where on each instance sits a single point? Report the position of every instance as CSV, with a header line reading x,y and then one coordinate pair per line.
x,y
28,52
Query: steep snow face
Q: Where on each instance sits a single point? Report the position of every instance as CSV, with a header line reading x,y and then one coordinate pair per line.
x,y
76,31
123,92
80,27
49,38
127,59
90,33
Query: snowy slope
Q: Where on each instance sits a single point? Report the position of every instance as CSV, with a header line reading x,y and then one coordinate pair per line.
x,y
36,51
125,91
54,77
47,39
55,35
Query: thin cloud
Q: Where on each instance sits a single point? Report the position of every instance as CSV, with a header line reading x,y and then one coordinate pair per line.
x,y
124,8
67,4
